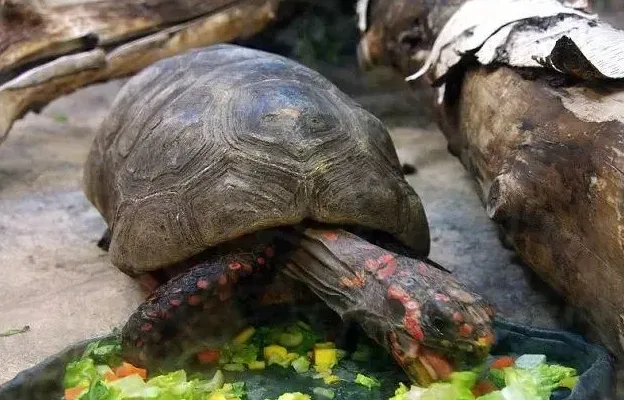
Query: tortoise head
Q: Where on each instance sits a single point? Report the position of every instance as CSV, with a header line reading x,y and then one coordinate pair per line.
x,y
438,325
400,33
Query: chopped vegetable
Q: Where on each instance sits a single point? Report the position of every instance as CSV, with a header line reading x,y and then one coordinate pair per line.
x,y
104,351
234,367
528,361
244,336
127,369
496,395
330,378
446,391
80,373
293,339
502,362
256,365
367,381
275,351
324,358
464,379
294,396
569,382
400,392
497,377
301,364
75,392
324,392
209,356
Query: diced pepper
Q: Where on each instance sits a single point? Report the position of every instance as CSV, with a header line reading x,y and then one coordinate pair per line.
x,y
502,362
74,393
208,356
329,379
244,336
127,369
256,365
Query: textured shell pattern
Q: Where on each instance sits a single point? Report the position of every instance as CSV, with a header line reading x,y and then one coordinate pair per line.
x,y
215,143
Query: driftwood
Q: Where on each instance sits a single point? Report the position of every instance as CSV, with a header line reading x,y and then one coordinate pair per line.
x,y
49,48
534,109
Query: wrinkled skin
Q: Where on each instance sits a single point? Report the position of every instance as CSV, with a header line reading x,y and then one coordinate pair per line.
x,y
421,315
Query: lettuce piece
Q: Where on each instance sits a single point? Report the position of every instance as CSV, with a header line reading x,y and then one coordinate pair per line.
x,y
446,391
367,381
99,391
539,382
239,353
497,395
400,392
294,396
465,379
104,351
497,377
81,372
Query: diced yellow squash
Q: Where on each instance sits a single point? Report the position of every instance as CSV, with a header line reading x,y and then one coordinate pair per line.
x,y
329,379
244,336
324,359
275,351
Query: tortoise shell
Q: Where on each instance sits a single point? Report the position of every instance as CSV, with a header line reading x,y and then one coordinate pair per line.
x,y
207,146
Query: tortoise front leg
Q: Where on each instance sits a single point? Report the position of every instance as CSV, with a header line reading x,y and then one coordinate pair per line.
x,y
197,305
423,316
207,304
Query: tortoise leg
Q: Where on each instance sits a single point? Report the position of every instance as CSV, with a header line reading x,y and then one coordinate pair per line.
x,y
207,304
423,316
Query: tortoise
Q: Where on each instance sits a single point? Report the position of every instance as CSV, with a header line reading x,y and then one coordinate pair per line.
x,y
221,167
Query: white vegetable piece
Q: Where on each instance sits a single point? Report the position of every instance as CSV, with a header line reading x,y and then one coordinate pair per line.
x,y
528,361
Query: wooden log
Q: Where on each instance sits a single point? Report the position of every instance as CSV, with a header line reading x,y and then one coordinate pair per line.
x,y
544,142
53,48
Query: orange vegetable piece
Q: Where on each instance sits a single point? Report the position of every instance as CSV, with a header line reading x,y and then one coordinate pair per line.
x,y
73,393
502,362
110,376
483,387
440,365
209,356
127,369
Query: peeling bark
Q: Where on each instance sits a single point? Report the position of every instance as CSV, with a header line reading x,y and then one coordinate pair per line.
x,y
94,41
545,143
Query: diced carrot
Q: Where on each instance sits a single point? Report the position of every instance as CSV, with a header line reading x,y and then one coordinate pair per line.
x,y
209,356
483,387
127,369
110,376
73,393
502,362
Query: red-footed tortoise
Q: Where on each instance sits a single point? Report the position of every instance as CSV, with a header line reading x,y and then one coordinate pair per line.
x,y
226,163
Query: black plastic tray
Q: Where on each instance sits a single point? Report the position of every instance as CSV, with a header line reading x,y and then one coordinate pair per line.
x,y
43,381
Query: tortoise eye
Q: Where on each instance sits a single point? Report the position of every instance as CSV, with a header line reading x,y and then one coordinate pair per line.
x,y
438,323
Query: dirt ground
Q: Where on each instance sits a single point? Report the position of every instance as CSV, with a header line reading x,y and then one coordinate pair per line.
x,y
56,281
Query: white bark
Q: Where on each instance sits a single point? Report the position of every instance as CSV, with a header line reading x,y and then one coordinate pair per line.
x,y
528,33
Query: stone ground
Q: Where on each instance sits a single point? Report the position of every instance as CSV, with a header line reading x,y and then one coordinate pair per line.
x,y
56,281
